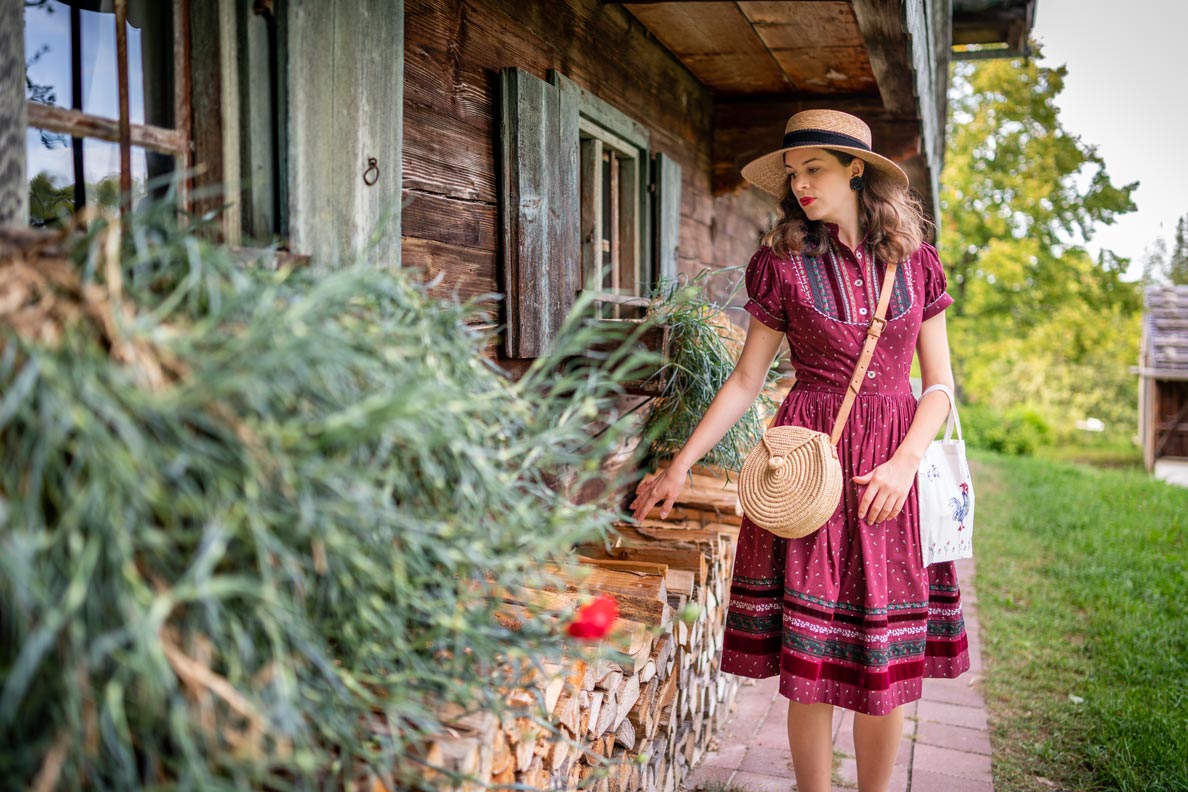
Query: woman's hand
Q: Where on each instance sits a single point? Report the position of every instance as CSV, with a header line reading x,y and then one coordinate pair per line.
x,y
887,489
664,486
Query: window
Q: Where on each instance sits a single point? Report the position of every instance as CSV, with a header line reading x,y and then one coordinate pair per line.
x,y
586,205
613,183
106,115
118,110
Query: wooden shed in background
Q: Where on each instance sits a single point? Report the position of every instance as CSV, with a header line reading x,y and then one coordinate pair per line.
x,y
1163,381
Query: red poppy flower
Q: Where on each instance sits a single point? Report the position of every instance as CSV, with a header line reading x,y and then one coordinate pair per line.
x,y
595,620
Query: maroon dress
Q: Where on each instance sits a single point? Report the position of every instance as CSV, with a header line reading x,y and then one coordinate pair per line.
x,y
848,615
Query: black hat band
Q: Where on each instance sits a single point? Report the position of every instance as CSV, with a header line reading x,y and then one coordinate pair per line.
x,y
821,137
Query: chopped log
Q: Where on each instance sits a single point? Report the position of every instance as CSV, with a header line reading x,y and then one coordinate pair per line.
x,y
553,685
647,550
591,715
623,565
710,494
648,671
536,777
503,761
642,597
665,651
558,754
625,734
607,715
611,679
702,516
628,695
680,581
567,714
527,736
634,639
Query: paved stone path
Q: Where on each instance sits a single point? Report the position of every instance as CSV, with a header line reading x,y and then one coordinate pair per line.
x,y
946,740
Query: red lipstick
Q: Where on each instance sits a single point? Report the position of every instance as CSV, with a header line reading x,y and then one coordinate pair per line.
x,y
806,201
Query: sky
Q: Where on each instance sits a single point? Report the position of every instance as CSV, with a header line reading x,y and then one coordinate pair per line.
x,y
1125,94
47,31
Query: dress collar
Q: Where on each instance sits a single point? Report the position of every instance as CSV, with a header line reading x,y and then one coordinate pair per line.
x,y
833,232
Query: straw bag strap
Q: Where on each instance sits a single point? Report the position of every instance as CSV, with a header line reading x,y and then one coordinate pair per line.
x,y
872,337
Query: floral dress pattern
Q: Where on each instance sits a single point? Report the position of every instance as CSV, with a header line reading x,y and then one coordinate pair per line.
x,y
848,615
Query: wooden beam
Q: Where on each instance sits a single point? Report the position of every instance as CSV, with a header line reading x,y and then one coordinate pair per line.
x,y
79,124
882,28
14,184
911,68
1172,375
687,2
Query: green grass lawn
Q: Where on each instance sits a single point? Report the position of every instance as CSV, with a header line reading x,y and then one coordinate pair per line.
x,y
1083,598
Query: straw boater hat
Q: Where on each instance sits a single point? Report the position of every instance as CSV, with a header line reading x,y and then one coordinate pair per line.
x,y
831,129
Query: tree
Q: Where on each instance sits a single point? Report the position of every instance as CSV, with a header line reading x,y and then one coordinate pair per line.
x,y
1015,180
1038,321
1155,262
1177,260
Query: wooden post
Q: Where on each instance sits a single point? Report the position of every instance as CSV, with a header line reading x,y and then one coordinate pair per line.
x,y
14,184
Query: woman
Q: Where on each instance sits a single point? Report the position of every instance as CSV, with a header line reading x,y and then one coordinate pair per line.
x,y
846,616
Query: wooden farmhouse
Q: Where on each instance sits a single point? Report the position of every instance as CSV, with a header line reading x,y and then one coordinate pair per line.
x,y
515,148
1163,381
530,149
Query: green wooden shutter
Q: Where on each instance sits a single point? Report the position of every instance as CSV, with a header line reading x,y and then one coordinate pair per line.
x,y
540,209
668,216
345,100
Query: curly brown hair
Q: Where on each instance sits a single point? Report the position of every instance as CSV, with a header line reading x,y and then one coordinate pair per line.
x,y
892,217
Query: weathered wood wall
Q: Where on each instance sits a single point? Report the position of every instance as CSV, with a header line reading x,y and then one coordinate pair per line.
x,y
345,110
14,185
454,50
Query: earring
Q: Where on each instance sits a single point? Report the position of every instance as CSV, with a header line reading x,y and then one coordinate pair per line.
x,y
857,183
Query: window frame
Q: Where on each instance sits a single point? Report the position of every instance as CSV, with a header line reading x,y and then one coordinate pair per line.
x,y
174,142
540,193
611,128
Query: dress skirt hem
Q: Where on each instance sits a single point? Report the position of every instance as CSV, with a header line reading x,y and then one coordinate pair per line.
x,y
826,690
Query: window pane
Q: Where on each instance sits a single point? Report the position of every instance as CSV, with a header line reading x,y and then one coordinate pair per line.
x,y
101,167
50,58
52,195
150,62
50,159
47,52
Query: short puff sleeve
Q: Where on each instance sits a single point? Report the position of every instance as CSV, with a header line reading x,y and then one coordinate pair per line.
x,y
936,298
765,290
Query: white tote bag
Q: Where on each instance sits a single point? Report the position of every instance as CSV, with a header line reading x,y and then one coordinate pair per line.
x,y
946,494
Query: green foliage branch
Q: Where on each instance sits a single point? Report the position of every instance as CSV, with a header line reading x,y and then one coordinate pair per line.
x,y
272,563
703,355
1039,325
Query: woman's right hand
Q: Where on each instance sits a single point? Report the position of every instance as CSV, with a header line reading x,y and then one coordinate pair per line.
x,y
663,486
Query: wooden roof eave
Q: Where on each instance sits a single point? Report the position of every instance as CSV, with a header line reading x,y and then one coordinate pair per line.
x,y
904,49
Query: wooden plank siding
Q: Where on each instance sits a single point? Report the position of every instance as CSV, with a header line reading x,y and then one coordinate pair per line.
x,y
454,51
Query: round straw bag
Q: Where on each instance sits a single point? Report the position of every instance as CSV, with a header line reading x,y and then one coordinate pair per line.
x,y
791,482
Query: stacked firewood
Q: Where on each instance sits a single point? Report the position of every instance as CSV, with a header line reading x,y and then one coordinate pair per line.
x,y
642,720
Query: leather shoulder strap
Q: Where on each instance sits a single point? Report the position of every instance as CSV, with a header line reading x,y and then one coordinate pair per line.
x,y
872,337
